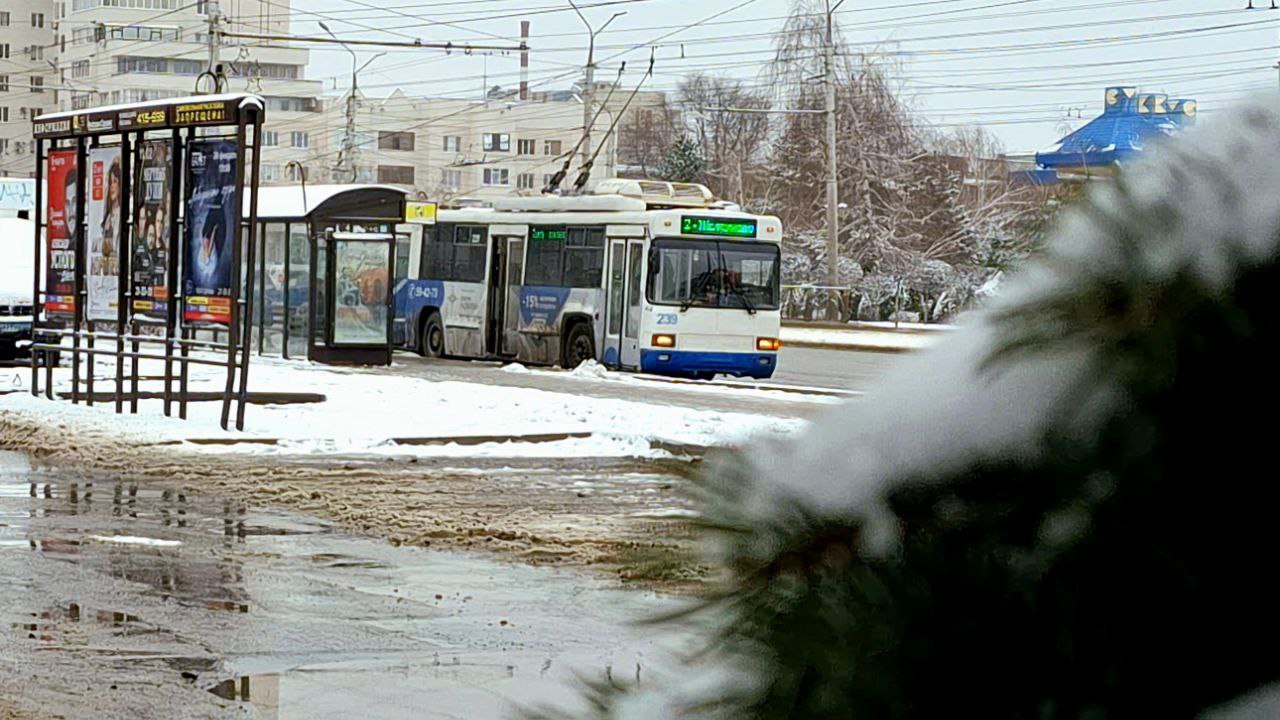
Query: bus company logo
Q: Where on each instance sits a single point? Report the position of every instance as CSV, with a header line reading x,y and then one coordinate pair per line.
x,y
209,112
424,292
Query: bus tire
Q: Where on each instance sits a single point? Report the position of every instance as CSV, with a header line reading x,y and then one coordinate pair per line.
x,y
579,346
431,336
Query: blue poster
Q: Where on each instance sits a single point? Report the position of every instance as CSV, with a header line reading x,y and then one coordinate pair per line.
x,y
212,213
540,307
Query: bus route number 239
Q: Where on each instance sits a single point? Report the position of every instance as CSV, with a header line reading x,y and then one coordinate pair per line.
x,y
668,318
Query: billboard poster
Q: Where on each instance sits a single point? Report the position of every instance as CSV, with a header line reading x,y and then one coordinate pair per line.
x,y
212,213
360,308
60,280
102,281
149,264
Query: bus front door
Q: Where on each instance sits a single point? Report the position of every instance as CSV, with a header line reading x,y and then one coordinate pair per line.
x,y
635,299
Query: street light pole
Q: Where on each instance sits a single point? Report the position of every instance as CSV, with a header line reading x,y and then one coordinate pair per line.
x,y
347,155
589,89
833,181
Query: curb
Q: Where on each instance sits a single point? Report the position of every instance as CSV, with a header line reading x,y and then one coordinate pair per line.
x,y
848,347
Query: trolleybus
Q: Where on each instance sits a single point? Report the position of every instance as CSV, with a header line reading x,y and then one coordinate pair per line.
x,y
640,275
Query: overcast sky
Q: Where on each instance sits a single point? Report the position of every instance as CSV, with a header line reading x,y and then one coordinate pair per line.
x,y
1017,67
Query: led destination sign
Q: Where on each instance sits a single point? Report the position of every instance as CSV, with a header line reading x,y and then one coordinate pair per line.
x,y
548,232
718,227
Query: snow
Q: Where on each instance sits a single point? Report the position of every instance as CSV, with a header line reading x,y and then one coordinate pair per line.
x,y
516,368
364,411
855,339
134,540
590,369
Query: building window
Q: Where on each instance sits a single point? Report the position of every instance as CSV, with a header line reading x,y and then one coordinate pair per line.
x,y
35,52
546,179
551,147
4,83
299,139
4,51
4,114
524,181
497,142
4,18
526,147
451,179
270,138
37,20
497,176
270,172
364,173
80,68
395,141
289,104
150,65
295,171
37,84
452,143
395,174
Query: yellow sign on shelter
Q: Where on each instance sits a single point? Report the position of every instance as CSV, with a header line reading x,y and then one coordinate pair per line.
x,y
423,213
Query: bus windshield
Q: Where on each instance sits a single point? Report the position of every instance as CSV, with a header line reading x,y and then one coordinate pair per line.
x,y
714,273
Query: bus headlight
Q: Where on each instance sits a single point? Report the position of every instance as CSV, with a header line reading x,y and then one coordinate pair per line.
x,y
664,340
770,344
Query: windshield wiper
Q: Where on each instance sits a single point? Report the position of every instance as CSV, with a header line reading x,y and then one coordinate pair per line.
x,y
746,303
733,287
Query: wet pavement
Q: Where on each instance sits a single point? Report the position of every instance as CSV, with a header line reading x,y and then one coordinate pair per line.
x,y
124,600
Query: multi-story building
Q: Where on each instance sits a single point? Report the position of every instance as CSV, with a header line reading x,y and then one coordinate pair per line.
x,y
105,52
456,149
27,45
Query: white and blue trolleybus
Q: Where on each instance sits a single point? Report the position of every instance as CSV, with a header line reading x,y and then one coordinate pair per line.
x,y
639,275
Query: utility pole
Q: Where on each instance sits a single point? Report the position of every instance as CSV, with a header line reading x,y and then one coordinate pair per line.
x,y
833,188
346,163
589,89
213,39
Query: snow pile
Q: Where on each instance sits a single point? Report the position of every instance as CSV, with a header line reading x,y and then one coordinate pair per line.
x,y
590,369
516,368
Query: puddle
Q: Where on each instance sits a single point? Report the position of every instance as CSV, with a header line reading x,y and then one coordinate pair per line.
x,y
196,607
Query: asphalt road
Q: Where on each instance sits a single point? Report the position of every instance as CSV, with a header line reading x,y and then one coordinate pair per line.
x,y
833,369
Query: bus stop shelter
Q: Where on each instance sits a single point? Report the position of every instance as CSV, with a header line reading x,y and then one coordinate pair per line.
x,y
327,255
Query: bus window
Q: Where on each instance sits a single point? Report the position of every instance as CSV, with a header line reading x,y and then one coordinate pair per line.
x,y
565,257
544,267
469,252
583,257
455,253
402,258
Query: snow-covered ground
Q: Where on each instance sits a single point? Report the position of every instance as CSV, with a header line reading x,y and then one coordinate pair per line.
x,y
364,411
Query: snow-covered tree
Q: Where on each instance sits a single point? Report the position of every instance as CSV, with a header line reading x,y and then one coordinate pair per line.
x,y
1061,512
683,162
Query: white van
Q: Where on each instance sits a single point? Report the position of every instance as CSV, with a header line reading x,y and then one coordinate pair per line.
x,y
15,289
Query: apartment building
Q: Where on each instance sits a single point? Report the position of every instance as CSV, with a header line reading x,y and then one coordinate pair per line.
x,y
104,52
27,45
460,149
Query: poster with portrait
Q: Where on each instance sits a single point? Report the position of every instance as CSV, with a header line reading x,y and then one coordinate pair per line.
x,y
60,266
102,280
149,257
212,213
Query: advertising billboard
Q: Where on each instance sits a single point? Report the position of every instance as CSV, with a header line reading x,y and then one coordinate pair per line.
x,y
212,213
151,242
60,281
102,279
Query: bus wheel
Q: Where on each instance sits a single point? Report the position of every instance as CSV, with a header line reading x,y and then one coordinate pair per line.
x,y
579,346
431,338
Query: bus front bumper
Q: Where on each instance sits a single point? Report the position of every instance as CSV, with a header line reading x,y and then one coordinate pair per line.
x,y
695,362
